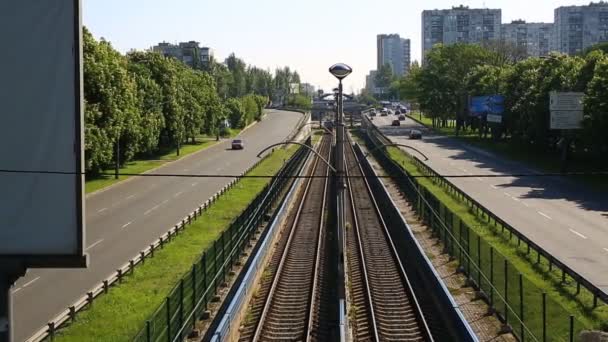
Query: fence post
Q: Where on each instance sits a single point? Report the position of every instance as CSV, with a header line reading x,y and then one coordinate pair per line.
x,y
181,303
521,307
148,332
544,317
479,263
492,277
168,306
204,281
571,328
469,275
194,294
506,272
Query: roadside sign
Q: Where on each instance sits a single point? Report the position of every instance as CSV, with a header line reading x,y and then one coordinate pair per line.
x,y
490,104
566,119
566,101
494,118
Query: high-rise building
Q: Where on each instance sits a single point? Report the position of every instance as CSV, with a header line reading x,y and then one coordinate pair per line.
x,y
188,52
394,51
370,81
459,25
579,27
535,38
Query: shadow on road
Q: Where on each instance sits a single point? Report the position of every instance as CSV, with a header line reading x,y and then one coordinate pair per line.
x,y
539,187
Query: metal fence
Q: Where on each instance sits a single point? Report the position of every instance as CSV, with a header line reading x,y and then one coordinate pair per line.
x,y
523,307
185,304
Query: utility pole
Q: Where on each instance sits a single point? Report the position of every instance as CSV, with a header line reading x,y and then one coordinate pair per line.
x,y
340,71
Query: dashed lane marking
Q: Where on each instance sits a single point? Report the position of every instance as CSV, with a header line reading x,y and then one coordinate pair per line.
x,y
151,209
102,210
127,224
130,197
30,282
577,233
95,244
544,215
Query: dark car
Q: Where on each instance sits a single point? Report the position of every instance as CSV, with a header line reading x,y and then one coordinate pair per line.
x,y
237,144
401,117
396,123
415,134
397,111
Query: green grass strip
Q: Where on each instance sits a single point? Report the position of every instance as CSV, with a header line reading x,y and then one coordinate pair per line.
x,y
562,300
121,314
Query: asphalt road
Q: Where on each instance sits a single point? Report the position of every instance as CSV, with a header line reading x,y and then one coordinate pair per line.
x,y
568,220
126,218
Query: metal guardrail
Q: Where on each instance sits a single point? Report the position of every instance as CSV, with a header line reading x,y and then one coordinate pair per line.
x,y
70,313
486,269
185,304
490,216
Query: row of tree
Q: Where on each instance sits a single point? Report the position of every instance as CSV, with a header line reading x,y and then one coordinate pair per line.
x,y
451,74
143,103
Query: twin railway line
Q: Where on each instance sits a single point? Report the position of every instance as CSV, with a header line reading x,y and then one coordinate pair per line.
x,y
297,295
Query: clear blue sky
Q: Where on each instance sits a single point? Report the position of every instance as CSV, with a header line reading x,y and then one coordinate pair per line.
x,y
303,34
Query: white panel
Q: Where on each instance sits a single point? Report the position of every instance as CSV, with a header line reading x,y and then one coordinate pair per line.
x,y
41,129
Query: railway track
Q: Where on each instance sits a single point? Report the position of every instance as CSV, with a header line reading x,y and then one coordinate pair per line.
x,y
382,306
293,302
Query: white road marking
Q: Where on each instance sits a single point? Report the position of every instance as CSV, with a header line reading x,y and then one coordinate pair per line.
x,y
30,282
95,244
577,233
102,210
151,209
507,194
186,170
177,194
127,224
17,290
479,179
130,197
165,201
606,249
463,169
545,215
494,187
195,184
515,199
526,204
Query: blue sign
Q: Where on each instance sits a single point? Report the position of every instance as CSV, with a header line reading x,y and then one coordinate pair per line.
x,y
491,104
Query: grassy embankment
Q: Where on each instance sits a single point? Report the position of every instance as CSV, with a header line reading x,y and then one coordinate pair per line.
x,y
121,314
562,300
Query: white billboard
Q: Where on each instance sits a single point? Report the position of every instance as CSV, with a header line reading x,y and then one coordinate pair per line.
x,y
41,135
566,101
566,119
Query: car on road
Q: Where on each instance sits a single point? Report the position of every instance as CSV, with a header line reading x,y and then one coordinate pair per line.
x,y
384,112
396,123
397,111
401,117
415,134
237,144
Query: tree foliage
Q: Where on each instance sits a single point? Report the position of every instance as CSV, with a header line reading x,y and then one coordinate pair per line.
x,y
452,74
144,102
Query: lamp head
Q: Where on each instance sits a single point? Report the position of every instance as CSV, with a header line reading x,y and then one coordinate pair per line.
x,y
340,70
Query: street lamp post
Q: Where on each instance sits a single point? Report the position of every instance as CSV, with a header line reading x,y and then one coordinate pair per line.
x,y
340,71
